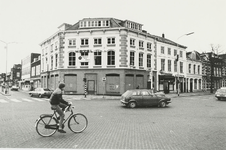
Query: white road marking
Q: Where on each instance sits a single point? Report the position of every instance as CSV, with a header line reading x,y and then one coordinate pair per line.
x,y
36,99
46,99
15,100
3,101
27,100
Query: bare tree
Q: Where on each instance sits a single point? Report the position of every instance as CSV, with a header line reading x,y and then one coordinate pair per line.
x,y
216,49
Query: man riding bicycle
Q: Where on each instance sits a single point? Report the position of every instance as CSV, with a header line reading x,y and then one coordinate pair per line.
x,y
59,104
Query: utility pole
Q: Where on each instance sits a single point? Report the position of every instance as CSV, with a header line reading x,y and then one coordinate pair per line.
x,y
178,63
211,71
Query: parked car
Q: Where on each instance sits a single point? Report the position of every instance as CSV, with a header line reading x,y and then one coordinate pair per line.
x,y
144,97
41,92
223,87
220,94
14,88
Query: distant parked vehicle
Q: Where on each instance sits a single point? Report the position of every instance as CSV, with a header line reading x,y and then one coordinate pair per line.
x,y
41,92
144,97
221,94
223,87
14,88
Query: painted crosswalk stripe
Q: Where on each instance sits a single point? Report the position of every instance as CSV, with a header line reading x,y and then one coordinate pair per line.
x,y
27,100
36,99
15,100
46,99
3,101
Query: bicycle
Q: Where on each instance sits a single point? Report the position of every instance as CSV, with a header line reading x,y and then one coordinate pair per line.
x,y
47,124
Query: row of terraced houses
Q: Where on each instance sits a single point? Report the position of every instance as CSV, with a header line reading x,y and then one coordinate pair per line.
x,y
113,55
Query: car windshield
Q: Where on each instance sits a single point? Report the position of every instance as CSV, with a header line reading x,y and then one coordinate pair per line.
x,y
127,93
221,90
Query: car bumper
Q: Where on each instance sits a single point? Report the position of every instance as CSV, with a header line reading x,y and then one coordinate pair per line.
x,y
124,102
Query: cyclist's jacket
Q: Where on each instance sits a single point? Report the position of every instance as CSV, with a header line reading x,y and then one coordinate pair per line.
x,y
56,98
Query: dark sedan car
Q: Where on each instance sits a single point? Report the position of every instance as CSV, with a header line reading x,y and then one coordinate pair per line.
x,y
144,97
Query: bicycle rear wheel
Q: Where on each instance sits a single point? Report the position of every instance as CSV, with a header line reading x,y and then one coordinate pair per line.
x,y
46,126
77,123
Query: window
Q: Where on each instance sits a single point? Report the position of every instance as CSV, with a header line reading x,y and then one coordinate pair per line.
x,y
149,46
84,63
163,64
140,59
181,54
72,42
181,67
18,74
194,69
169,51
97,58
71,59
189,68
51,62
107,23
175,66
84,41
111,40
132,42
148,60
141,44
132,57
162,50
56,45
97,41
51,47
169,65
56,60
175,52
111,58
198,69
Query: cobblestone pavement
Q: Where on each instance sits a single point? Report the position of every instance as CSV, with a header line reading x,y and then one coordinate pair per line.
x,y
188,123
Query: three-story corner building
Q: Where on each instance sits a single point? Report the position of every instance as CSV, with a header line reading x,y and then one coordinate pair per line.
x,y
194,72
171,65
109,54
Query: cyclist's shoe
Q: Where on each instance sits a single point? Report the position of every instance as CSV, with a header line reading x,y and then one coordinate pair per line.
x,y
61,131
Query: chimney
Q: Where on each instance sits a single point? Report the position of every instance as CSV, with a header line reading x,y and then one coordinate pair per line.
x,y
163,35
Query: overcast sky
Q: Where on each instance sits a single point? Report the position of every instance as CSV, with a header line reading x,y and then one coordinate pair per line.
x,y
29,22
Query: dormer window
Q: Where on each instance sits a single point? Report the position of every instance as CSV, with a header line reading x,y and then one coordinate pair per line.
x,y
94,23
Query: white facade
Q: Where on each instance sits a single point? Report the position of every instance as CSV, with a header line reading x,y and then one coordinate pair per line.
x,y
96,47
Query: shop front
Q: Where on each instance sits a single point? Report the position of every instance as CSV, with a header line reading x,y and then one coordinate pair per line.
x,y
166,82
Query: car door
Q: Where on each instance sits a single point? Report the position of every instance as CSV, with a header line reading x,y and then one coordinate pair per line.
x,y
148,98
136,95
36,92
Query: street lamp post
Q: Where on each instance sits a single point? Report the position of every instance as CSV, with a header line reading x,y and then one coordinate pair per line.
x,y
178,71
6,48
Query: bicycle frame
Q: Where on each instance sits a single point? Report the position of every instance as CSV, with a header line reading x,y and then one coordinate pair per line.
x,y
54,114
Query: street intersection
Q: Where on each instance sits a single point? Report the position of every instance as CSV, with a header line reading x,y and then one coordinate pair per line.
x,y
195,122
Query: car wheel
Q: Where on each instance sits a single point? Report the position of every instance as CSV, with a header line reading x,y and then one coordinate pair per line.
x,y
162,104
132,104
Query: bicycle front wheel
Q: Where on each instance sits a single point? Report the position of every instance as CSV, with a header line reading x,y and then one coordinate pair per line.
x,y
77,123
46,126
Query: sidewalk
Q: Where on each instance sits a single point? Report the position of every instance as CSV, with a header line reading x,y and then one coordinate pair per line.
x,y
101,97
